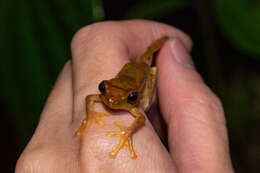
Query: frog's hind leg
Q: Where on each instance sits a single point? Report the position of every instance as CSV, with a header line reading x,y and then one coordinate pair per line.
x,y
124,142
149,90
147,56
125,134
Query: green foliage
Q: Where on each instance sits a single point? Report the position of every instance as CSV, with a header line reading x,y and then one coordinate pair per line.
x,y
35,43
155,9
240,21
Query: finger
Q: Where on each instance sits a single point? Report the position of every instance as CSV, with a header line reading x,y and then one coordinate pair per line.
x,y
99,53
51,147
147,31
100,50
58,108
197,133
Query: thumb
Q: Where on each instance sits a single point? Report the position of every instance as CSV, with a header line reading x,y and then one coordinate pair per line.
x,y
197,135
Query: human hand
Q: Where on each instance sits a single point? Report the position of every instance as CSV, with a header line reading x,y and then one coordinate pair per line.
x,y
197,136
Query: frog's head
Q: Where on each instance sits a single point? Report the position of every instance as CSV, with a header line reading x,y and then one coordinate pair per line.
x,y
116,96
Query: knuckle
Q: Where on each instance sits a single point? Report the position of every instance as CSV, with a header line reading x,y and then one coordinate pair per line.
x,y
94,33
209,103
80,36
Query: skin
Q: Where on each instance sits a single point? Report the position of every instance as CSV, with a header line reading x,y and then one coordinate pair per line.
x,y
197,136
133,86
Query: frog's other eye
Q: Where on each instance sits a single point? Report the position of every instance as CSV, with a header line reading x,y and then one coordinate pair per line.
x,y
102,87
132,97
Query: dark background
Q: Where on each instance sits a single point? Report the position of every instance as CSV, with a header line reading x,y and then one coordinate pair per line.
x,y
35,43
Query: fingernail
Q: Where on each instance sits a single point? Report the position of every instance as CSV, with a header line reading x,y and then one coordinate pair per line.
x,y
181,54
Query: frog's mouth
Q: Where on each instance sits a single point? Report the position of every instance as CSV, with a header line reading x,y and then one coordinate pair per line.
x,y
107,102
112,103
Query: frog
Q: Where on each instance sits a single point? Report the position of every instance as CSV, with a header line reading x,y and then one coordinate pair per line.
x,y
132,90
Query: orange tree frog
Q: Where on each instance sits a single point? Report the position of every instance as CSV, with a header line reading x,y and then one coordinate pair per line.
x,y
131,89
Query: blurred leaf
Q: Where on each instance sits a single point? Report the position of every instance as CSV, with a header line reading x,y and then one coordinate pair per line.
x,y
155,9
35,44
240,21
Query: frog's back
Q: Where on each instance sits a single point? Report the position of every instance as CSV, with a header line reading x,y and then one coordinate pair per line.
x,y
132,76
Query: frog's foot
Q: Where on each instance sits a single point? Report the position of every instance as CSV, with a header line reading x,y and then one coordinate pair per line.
x,y
125,140
92,117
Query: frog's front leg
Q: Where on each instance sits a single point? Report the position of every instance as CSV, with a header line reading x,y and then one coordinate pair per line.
x,y
92,116
125,134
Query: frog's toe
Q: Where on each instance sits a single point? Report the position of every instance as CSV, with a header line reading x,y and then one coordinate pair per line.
x,y
99,122
95,117
92,117
101,114
113,134
113,154
130,148
133,155
125,140
82,129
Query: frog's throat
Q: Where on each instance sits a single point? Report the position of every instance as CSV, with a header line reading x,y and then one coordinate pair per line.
x,y
115,106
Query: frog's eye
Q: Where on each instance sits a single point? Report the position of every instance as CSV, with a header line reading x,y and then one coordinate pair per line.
x,y
102,87
132,97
